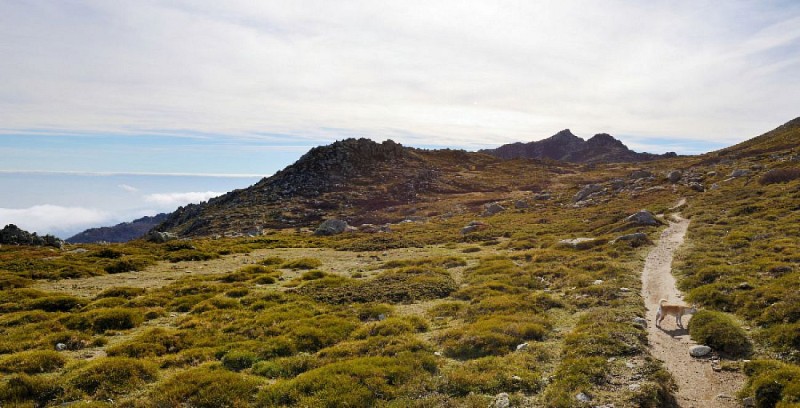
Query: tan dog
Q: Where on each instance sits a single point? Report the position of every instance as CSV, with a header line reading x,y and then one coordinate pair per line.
x,y
676,310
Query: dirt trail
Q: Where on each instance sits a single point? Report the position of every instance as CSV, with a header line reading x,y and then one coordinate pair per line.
x,y
700,386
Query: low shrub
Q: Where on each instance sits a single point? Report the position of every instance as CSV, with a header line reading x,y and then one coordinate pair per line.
x,y
286,367
572,377
123,292
32,362
358,382
153,342
272,260
237,292
205,387
111,376
373,311
191,255
127,265
312,275
37,391
57,303
719,331
100,320
492,375
302,263
779,176
238,360
772,383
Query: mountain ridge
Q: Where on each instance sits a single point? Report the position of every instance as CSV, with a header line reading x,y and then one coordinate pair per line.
x,y
565,146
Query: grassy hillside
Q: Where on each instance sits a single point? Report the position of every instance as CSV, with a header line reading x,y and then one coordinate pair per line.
x,y
427,314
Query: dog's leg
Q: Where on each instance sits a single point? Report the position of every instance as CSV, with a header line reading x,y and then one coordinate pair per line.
x,y
678,321
659,318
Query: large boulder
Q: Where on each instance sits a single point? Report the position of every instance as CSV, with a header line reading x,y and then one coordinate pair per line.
x,y
634,240
331,227
699,350
674,176
643,217
580,243
159,237
586,191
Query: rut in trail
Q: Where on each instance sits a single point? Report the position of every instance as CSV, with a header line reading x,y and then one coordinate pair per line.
x,y
699,386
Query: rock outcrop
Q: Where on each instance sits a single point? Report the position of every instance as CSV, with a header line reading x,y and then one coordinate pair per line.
x,y
123,232
13,235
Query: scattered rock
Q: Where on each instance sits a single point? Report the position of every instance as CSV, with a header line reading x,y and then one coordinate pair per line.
x,y
634,387
331,227
473,226
643,217
516,378
674,176
502,401
640,322
580,243
640,174
624,289
159,237
618,184
699,350
714,186
492,209
373,229
61,346
522,347
744,286
711,173
635,240
542,196
583,397
740,173
586,191
697,186
597,282
521,204
749,402
437,353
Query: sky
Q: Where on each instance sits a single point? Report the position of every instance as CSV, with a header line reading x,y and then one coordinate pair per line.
x,y
91,90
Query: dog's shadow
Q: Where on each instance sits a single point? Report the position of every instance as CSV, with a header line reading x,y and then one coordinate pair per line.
x,y
678,331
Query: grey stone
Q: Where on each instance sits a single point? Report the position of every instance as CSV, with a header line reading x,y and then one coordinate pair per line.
x,y
634,387
492,209
699,350
635,239
586,191
674,176
522,347
502,401
640,174
61,346
583,397
643,217
597,282
159,237
331,227
740,173
579,243
640,321
542,196
472,227
749,402
521,204
699,187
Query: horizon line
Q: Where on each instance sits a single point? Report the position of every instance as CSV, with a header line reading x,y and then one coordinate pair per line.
x,y
128,173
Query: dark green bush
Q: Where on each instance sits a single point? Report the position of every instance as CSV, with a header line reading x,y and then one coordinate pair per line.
x,y
286,367
717,330
312,275
127,265
100,320
779,176
772,383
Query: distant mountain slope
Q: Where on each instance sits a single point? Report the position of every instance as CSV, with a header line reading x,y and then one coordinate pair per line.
x,y
786,136
565,146
356,179
123,232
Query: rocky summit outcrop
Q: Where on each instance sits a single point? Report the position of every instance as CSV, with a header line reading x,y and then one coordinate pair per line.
x,y
13,235
122,232
565,146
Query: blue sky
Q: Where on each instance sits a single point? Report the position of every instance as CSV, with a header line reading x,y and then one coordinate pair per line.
x,y
239,87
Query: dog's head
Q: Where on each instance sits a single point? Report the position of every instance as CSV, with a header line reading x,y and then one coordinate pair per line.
x,y
692,310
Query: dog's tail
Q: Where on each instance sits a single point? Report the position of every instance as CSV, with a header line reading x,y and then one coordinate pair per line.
x,y
661,302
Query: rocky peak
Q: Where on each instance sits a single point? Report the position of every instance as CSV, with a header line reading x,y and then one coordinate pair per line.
x,y
604,140
565,136
13,235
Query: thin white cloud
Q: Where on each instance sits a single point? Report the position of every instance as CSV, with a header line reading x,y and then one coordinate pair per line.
x,y
53,219
128,188
178,199
458,72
